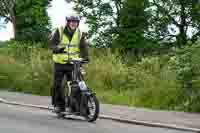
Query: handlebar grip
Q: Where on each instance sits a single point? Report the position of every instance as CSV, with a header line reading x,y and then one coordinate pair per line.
x,y
85,61
78,60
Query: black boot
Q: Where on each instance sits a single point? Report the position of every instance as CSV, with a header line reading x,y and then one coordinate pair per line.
x,y
59,109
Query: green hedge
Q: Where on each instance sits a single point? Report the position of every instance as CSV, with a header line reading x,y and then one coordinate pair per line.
x,y
155,82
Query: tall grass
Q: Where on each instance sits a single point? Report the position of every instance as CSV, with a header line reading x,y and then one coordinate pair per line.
x,y
151,82
148,83
26,68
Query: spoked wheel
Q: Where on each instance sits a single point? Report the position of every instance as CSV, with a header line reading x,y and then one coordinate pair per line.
x,y
92,108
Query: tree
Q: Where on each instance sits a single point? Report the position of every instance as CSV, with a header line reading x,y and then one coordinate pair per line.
x,y
32,20
8,11
29,18
133,23
172,20
102,18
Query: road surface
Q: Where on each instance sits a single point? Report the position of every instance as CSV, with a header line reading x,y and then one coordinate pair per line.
x,y
17,119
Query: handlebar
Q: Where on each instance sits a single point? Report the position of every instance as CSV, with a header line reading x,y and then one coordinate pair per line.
x,y
80,60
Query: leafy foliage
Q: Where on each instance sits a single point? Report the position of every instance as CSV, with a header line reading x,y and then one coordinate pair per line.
x,y
173,20
132,24
131,32
29,18
102,18
32,20
7,9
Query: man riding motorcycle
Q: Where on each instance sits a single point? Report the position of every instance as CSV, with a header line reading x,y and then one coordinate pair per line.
x,y
67,43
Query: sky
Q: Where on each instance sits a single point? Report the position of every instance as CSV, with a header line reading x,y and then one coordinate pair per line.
x,y
57,13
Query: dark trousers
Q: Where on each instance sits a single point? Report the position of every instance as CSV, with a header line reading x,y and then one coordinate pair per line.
x,y
60,70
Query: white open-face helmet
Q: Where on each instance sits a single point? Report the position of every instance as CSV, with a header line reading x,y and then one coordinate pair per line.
x,y
73,18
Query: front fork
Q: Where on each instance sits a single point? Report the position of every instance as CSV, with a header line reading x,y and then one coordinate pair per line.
x,y
72,97
79,101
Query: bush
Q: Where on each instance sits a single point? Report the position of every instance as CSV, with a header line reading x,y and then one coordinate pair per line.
x,y
158,82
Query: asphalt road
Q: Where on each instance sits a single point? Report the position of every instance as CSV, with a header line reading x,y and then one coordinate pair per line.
x,y
17,119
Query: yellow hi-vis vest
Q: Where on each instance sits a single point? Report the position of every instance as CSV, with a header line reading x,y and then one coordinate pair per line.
x,y
72,50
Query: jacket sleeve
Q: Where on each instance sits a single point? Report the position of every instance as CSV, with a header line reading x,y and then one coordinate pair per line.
x,y
54,41
83,47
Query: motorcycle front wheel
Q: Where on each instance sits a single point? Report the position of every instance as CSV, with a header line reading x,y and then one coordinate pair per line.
x,y
92,108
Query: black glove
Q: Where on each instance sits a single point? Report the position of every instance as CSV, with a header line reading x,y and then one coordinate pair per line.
x,y
59,49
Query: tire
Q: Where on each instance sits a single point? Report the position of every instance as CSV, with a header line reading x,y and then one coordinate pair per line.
x,y
92,116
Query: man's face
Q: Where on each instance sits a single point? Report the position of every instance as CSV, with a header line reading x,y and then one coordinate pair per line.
x,y
73,24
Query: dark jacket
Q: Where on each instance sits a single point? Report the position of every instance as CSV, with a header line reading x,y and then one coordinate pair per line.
x,y
55,40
